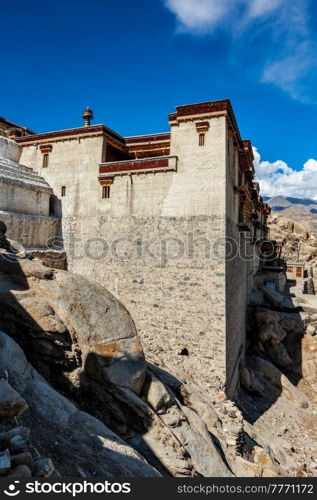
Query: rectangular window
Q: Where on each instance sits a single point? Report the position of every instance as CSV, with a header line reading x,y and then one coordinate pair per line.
x,y
63,193
298,272
106,192
201,139
45,160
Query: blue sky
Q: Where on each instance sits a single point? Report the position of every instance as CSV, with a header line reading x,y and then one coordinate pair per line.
x,y
132,61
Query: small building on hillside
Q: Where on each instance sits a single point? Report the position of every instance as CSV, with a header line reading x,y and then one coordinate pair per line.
x,y
295,270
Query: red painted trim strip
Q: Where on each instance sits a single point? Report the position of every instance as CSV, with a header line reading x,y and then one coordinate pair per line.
x,y
150,164
80,131
149,138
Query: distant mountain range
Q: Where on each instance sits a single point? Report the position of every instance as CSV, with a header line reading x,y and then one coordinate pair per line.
x,y
300,209
279,204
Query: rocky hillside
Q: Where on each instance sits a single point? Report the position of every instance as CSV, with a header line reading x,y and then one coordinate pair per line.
x,y
79,399
282,349
300,244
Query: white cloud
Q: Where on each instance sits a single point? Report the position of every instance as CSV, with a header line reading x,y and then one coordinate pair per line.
x,y
262,7
198,15
290,73
278,179
287,55
311,166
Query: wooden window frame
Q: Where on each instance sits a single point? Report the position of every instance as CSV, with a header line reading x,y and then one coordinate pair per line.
x,y
106,192
299,272
45,160
201,139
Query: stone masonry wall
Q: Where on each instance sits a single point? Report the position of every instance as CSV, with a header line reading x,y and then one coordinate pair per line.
x,y
9,149
31,230
173,287
22,200
236,304
236,274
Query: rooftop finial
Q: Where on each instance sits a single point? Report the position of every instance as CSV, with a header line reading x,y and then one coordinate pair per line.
x,y
87,116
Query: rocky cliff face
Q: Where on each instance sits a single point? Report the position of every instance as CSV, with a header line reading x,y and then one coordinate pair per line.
x,y
278,393
78,379
300,242
279,382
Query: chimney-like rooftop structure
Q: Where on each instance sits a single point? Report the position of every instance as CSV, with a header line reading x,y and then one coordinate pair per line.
x,y
87,116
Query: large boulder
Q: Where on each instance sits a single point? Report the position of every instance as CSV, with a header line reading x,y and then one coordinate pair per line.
x,y
269,326
279,381
72,320
279,355
104,330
